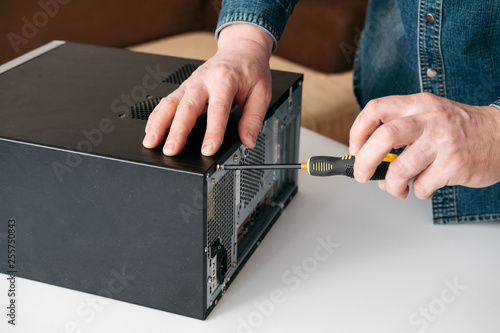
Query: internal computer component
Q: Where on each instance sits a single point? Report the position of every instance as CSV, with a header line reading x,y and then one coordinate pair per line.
x,y
242,204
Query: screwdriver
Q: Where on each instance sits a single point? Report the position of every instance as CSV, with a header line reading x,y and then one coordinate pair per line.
x,y
320,166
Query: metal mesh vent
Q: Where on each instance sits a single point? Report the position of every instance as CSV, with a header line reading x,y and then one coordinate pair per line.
x,y
220,213
181,74
250,179
143,110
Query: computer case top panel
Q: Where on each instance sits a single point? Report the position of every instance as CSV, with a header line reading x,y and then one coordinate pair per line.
x,y
85,99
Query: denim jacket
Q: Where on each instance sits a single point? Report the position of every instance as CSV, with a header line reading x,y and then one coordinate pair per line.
x,y
448,48
270,16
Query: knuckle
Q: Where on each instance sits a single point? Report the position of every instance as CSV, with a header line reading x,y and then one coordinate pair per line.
x,y
187,104
448,138
425,97
166,102
373,104
441,114
253,123
268,94
398,169
388,132
195,76
408,165
457,161
396,188
257,118
422,190
224,72
218,108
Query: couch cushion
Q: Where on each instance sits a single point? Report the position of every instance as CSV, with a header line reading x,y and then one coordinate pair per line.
x,y
328,105
25,25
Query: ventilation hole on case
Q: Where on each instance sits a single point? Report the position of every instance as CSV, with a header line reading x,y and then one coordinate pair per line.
x,y
143,109
220,213
181,74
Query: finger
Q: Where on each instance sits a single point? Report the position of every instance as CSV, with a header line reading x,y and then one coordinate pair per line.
x,y
254,112
189,109
430,180
377,111
151,118
381,185
394,134
410,163
219,106
161,118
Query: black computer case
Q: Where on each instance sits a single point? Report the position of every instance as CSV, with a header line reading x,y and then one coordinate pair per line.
x,y
96,212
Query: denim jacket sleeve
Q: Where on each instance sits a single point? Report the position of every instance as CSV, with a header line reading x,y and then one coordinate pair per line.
x,y
269,15
496,104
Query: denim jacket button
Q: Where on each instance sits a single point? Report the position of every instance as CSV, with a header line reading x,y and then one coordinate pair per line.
x,y
431,72
429,18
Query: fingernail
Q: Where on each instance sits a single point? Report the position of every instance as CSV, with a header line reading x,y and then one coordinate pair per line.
x,y
207,148
169,147
149,139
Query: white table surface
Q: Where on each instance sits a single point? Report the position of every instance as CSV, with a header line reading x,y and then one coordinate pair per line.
x,y
390,270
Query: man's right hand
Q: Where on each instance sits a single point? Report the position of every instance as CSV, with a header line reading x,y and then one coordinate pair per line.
x,y
239,72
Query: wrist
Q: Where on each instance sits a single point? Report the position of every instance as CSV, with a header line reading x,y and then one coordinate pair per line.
x,y
245,35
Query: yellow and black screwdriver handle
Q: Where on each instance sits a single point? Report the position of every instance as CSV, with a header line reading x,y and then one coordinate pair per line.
x,y
342,166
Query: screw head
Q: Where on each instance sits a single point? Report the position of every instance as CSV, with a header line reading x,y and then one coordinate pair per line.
x,y
210,279
213,181
236,158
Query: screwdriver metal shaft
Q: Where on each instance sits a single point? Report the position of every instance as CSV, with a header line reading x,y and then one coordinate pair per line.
x,y
320,166
260,166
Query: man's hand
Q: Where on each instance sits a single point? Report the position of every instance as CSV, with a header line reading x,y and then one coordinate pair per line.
x,y
239,72
447,143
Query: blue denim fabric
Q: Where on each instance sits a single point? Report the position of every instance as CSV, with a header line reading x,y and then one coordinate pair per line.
x,y
399,44
462,43
270,15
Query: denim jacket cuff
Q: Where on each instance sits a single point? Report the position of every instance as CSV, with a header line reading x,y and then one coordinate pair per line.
x,y
270,16
222,26
496,104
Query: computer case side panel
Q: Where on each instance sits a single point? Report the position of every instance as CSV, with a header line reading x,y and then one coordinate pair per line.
x,y
120,230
